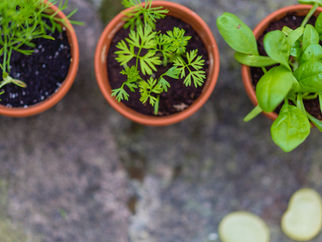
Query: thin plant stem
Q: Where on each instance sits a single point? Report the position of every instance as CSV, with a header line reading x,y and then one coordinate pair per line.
x,y
310,14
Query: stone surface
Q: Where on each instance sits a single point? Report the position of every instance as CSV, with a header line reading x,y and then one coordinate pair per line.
x,y
82,172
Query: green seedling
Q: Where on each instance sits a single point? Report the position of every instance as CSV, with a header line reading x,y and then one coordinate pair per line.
x,y
21,22
296,76
303,219
243,227
149,49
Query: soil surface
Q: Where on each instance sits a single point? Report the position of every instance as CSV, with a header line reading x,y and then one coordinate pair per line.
x,y
178,97
43,71
292,21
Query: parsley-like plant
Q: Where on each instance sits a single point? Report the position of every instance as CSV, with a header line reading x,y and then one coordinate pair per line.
x,y
296,76
21,22
145,49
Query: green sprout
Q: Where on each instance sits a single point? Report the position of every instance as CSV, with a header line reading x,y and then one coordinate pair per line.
x,y
150,49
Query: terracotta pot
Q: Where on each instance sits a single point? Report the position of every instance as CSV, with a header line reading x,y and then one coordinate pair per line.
x,y
300,10
63,89
205,34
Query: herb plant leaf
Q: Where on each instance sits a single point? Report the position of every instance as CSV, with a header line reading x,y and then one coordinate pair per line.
x,y
290,128
318,25
237,34
309,75
294,35
273,87
312,52
125,53
310,36
120,94
193,67
148,14
277,47
176,40
254,60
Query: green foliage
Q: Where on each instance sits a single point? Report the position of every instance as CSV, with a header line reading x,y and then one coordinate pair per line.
x,y
193,66
237,34
290,128
145,49
139,11
297,75
277,47
273,87
22,22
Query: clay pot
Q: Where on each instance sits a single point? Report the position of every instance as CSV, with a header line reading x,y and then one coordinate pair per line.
x,y
63,89
299,10
205,34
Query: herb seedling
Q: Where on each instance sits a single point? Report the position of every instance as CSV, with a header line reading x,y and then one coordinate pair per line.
x,y
297,75
145,49
21,22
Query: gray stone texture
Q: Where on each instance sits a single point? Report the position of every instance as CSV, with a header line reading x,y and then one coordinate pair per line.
x,y
80,172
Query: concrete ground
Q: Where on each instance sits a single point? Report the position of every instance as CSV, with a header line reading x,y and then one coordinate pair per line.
x,y
80,172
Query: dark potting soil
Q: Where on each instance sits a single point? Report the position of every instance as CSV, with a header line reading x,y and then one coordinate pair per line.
x,y
43,71
292,21
178,97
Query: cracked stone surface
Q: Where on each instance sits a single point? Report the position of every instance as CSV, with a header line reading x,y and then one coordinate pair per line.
x,y
81,172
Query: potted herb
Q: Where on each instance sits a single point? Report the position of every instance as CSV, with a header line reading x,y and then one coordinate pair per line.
x,y
38,55
156,62
286,63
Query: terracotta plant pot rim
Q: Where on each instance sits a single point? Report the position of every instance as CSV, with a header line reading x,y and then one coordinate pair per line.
x,y
63,89
259,29
101,70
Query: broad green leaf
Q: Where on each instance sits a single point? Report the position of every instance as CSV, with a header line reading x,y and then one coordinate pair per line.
x,y
309,75
310,36
294,35
286,30
273,87
290,128
254,60
237,34
296,49
318,24
312,52
277,47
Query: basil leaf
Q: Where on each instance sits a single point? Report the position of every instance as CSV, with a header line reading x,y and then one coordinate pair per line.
x,y
273,87
237,34
294,35
310,36
290,128
296,49
254,60
277,47
309,75
318,24
286,30
312,52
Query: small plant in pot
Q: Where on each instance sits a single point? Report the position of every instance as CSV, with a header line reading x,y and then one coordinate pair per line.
x,y
154,65
288,56
38,55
